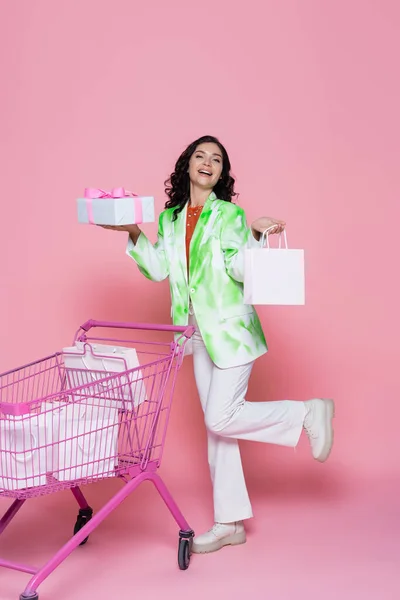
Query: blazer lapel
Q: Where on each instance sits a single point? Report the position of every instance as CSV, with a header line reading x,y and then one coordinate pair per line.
x,y
179,235
179,229
202,229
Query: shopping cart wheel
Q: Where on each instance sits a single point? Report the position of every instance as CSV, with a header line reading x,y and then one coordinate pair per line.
x,y
84,515
185,549
183,554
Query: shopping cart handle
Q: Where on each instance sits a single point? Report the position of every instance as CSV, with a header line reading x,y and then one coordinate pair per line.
x,y
186,330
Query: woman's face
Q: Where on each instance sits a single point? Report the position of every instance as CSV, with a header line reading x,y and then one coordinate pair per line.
x,y
205,166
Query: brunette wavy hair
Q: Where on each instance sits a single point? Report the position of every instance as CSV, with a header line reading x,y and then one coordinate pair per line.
x,y
177,187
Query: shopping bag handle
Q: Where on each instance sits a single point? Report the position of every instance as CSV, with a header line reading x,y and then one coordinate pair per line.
x,y
27,455
94,378
265,237
186,330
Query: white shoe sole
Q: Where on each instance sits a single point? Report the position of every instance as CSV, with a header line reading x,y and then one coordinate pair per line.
x,y
329,415
231,540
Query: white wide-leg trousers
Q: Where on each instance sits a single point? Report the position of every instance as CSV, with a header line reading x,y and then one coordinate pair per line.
x,y
229,418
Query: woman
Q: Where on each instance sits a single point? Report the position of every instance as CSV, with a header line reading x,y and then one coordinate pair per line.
x,y
201,240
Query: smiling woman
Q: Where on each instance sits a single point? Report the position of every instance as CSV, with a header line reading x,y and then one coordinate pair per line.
x,y
206,285
206,163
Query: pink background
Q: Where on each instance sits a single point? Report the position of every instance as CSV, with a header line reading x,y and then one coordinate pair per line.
x,y
305,96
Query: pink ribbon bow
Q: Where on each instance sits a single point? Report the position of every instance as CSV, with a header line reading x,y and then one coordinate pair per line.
x,y
118,192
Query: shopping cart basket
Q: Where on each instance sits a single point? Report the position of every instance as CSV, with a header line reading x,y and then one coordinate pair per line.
x,y
63,427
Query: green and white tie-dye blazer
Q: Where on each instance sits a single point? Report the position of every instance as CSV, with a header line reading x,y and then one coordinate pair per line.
x,y
231,329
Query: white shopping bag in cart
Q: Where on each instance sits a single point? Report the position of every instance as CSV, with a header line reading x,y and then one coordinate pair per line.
x,y
24,457
274,276
82,359
87,441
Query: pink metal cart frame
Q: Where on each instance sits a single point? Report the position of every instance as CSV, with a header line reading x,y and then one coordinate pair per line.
x,y
45,388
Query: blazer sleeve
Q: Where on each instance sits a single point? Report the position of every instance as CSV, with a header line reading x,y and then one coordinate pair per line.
x,y
236,236
151,259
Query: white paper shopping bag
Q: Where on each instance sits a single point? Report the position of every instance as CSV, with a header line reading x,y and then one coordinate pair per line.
x,y
87,363
24,454
274,276
87,441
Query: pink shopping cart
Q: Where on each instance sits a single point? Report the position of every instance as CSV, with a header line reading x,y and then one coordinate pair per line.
x,y
64,424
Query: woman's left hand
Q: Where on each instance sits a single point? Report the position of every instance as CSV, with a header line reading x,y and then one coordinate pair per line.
x,y
260,225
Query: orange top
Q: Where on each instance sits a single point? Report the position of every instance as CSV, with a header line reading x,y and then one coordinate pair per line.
x,y
193,214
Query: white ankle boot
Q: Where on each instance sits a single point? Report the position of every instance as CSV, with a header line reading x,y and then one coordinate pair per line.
x,y
222,534
319,428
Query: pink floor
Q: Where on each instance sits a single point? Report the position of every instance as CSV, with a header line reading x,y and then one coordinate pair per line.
x,y
310,539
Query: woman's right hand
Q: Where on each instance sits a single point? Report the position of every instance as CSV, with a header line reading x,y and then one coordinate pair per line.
x,y
133,230
126,228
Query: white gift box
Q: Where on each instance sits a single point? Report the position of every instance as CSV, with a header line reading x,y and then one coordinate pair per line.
x,y
25,451
274,276
88,363
109,210
87,441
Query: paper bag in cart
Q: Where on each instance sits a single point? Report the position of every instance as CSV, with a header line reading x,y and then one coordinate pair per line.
x,y
87,363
